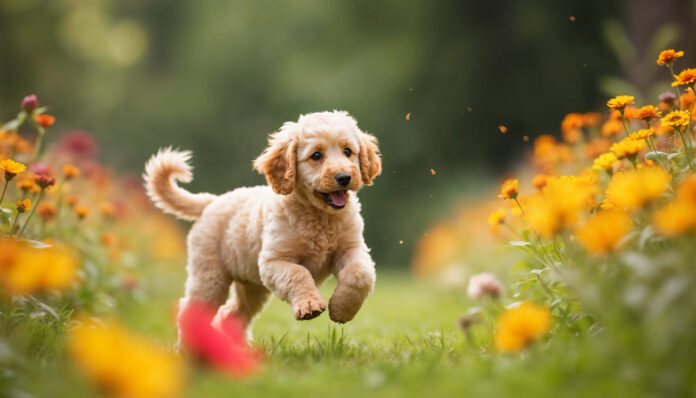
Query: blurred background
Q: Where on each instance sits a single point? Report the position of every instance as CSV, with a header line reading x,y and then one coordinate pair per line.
x,y
217,77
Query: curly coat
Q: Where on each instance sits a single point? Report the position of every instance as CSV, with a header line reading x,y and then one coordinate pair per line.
x,y
287,237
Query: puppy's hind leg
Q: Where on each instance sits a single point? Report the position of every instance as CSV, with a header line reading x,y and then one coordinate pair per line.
x,y
208,284
245,302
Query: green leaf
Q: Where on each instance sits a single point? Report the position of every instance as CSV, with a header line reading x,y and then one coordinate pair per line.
x,y
36,244
11,125
656,155
520,243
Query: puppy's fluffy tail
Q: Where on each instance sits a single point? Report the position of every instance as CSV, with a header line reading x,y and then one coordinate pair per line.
x,y
161,173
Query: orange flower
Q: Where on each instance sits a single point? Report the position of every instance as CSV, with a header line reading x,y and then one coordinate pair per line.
x,y
107,209
539,181
44,120
648,113
611,127
686,100
70,171
570,127
686,191
620,102
72,201
23,206
47,211
81,212
685,77
28,186
508,190
667,57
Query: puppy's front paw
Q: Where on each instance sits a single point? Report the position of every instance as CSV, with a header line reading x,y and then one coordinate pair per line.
x,y
308,308
345,303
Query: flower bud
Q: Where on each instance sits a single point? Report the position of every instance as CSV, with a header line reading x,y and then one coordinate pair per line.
x,y
484,284
29,103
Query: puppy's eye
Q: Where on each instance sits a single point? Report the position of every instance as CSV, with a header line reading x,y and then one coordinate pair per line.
x,y
316,156
348,152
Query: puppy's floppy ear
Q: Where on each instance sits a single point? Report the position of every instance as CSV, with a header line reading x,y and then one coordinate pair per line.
x,y
370,162
277,162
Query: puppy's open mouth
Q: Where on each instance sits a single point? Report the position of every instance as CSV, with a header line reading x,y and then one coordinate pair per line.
x,y
335,199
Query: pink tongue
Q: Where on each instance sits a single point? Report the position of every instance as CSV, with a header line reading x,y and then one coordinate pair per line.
x,y
338,198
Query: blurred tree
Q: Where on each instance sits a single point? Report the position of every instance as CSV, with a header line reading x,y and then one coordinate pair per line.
x,y
216,77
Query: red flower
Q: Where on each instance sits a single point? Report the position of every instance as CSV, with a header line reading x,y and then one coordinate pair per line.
x,y
44,181
224,349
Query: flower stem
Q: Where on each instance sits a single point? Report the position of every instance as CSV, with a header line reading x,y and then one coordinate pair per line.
x,y
688,128
39,142
33,210
546,287
623,122
14,224
4,189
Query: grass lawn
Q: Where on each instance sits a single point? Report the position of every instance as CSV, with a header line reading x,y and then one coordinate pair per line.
x,y
405,341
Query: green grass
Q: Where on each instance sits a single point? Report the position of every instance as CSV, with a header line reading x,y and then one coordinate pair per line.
x,y
404,341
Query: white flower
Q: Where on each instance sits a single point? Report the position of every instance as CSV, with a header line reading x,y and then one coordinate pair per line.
x,y
484,284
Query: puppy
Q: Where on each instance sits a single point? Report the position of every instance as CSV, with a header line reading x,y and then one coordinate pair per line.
x,y
287,237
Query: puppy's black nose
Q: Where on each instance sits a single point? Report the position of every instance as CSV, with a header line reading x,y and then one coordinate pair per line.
x,y
343,179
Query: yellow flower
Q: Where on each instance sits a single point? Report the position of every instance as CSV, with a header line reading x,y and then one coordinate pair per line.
x,y
676,119
28,185
11,168
509,189
23,206
640,135
627,147
605,161
603,232
685,77
123,364
32,270
648,113
620,102
633,190
560,202
520,326
667,57
70,171
675,218
496,218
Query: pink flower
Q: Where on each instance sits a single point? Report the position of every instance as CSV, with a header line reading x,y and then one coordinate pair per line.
x,y
41,169
29,103
78,144
224,349
484,284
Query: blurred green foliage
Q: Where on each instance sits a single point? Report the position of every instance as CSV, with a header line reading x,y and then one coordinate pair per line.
x,y
216,77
